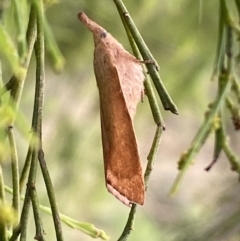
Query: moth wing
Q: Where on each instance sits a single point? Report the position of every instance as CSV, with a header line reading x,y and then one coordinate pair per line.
x,y
123,170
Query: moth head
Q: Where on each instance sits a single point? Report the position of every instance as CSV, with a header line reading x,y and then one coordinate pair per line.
x,y
103,35
99,33
100,36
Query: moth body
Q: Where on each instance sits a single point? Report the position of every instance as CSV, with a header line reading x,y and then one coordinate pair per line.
x,y
119,78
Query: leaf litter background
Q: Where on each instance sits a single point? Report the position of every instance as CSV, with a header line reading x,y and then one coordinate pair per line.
x,y
182,36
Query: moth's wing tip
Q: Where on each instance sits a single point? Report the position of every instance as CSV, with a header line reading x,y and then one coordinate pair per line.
x,y
122,198
118,195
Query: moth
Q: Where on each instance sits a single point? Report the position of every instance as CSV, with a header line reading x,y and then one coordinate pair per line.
x,y
119,77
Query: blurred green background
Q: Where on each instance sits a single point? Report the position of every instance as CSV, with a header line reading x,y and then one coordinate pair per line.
x,y
182,36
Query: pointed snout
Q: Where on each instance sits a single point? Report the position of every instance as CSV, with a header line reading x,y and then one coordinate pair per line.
x,y
91,25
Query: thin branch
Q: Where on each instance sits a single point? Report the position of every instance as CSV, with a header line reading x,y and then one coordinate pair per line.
x,y
151,159
3,227
157,116
15,171
16,91
37,118
220,44
25,169
35,203
225,80
232,158
56,57
86,228
15,84
153,154
235,113
51,196
22,46
166,100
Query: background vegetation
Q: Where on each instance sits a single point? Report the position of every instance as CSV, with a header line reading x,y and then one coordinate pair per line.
x,y
182,35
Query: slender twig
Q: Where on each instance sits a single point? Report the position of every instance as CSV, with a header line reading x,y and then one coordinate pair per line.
x,y
25,169
16,84
231,23
153,153
220,44
86,228
151,159
16,95
157,116
219,137
235,113
34,198
15,170
166,100
218,125
225,80
200,137
4,5
232,157
37,117
31,191
3,227
40,71
129,225
237,2
22,227
51,195
26,204
52,48
16,233
139,47
22,46
236,90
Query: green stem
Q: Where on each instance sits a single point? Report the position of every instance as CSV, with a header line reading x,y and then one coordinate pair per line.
x,y
16,94
29,196
166,100
157,116
25,169
15,170
4,4
37,121
225,80
219,129
237,2
129,225
3,227
236,90
40,72
51,196
232,157
15,84
87,228
235,113
199,138
34,198
37,116
153,154
151,159
220,44
231,23
52,48
22,47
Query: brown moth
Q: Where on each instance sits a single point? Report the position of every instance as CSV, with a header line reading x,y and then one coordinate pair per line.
x,y
119,78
